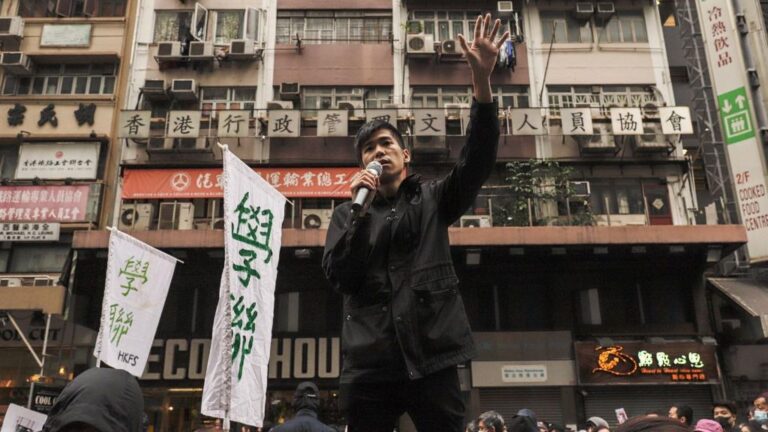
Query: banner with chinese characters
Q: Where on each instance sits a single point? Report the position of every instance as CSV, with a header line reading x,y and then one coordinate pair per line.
x,y
134,124
137,282
44,203
744,148
56,119
332,123
236,377
207,182
646,363
58,161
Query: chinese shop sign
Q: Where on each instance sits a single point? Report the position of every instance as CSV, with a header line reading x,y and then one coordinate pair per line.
x,y
44,203
29,231
646,363
207,182
58,161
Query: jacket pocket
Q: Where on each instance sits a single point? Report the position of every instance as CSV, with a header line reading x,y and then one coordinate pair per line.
x,y
366,339
441,320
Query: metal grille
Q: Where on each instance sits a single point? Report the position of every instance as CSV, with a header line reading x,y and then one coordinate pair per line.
x,y
544,401
639,400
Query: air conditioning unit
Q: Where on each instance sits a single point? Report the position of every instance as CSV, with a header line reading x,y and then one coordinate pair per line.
x,y
580,189
191,144
170,50
242,49
599,142
475,221
450,48
176,216
201,50
651,110
135,217
414,27
455,110
16,63
280,105
316,218
355,108
652,139
11,27
505,8
605,9
154,89
43,281
584,10
10,282
184,89
420,44
159,143
290,91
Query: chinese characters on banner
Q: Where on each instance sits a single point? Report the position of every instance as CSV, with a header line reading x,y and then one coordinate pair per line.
x,y
429,122
207,182
58,161
284,123
183,124
137,282
236,376
745,154
528,121
134,124
44,203
627,121
333,123
387,115
676,120
233,124
577,121
51,118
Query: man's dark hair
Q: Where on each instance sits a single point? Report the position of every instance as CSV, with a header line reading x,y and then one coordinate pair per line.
x,y
492,419
367,130
729,405
652,424
685,411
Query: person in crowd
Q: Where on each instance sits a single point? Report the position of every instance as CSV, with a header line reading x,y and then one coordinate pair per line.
x,y
683,413
707,425
750,426
472,427
596,423
98,400
490,421
554,427
760,414
306,402
652,424
405,329
725,412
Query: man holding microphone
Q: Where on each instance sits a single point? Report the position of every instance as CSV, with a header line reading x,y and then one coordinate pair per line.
x,y
387,252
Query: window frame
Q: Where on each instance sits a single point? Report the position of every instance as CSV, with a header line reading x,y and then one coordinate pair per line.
x,y
374,25
228,103
60,77
629,17
178,13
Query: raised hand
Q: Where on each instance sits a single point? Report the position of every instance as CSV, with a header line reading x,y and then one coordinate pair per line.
x,y
483,54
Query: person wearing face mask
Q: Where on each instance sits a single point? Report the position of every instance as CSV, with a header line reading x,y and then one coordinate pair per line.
x,y
725,412
760,414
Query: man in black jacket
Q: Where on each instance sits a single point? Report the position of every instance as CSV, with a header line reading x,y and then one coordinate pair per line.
x,y
405,328
306,404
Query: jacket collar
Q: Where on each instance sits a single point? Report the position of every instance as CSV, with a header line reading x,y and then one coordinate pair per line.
x,y
408,187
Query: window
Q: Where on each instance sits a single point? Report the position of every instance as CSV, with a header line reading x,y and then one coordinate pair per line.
x,y
599,97
623,27
314,98
229,25
617,197
38,258
318,27
71,8
565,28
64,79
446,25
227,98
433,97
172,25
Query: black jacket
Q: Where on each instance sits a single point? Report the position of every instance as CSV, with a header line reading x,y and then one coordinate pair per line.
x,y
305,420
108,399
403,314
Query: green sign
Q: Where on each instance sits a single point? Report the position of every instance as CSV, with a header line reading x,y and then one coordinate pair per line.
x,y
735,115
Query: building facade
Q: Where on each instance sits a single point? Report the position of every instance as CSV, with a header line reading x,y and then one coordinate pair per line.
x,y
599,255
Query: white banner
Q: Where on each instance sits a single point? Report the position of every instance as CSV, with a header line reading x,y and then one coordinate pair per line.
x,y
58,161
236,377
138,278
18,418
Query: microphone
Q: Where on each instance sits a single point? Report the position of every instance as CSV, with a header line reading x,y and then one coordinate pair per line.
x,y
374,168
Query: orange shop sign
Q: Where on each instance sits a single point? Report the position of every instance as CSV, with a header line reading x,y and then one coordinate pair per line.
x,y
206,182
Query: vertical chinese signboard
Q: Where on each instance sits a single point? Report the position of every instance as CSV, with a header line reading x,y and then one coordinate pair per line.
x,y
745,157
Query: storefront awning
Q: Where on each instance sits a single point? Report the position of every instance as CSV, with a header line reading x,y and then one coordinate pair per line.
x,y
750,294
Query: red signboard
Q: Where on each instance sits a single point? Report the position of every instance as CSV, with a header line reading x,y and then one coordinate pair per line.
x,y
44,203
206,182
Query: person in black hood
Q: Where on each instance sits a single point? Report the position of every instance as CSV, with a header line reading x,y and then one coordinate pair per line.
x,y
98,400
306,404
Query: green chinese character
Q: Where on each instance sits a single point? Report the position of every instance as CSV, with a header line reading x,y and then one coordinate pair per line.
x,y
133,270
253,229
120,323
243,341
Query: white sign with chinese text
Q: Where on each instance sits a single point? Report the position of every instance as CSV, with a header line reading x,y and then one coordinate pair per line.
x,y
332,123
387,115
746,157
528,121
627,121
676,120
233,124
66,35
524,373
17,418
134,124
577,121
183,124
429,122
284,123
30,231
137,282
58,161
236,376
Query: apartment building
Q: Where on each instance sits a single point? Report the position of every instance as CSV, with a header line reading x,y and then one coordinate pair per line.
x,y
597,256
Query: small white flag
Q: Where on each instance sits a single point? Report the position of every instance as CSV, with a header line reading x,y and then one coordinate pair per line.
x,y
236,378
138,278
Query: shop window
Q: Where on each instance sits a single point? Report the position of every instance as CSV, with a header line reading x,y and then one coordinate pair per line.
x,y
323,27
565,28
623,26
71,8
172,25
38,258
66,79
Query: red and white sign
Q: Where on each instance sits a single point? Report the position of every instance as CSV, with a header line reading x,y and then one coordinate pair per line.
x,y
44,203
206,182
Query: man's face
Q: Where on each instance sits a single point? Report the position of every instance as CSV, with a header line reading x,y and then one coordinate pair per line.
x,y
723,412
384,147
673,413
761,404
